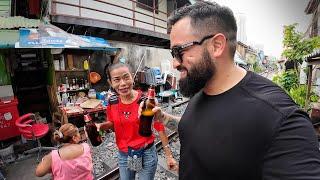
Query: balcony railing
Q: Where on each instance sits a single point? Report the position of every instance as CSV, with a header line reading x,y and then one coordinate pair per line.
x,y
116,11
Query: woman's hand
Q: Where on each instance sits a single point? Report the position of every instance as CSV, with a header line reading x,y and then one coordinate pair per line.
x,y
105,126
172,163
98,125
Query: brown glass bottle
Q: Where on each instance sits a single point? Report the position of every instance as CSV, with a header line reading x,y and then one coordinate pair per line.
x,y
91,129
147,114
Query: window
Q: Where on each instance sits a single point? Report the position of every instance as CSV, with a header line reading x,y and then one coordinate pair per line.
x,y
148,5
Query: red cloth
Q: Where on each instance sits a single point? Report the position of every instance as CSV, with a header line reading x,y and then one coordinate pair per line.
x,y
34,7
126,129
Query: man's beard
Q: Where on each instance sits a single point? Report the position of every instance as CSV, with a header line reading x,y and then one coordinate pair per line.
x,y
197,76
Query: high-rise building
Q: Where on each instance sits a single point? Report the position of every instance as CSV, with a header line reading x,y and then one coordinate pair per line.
x,y
241,24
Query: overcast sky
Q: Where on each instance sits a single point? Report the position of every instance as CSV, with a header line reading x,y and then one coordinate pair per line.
x,y
265,20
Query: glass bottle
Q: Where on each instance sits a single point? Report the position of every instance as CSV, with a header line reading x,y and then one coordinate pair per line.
x,y
91,129
67,82
147,114
74,84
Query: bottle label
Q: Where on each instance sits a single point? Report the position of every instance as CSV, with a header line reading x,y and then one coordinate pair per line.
x,y
151,94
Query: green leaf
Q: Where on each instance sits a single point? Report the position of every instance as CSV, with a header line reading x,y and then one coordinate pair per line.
x,y
295,46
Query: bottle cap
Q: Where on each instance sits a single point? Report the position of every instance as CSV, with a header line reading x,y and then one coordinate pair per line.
x,y
151,93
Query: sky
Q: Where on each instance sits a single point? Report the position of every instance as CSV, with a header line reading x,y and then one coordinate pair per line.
x,y
265,20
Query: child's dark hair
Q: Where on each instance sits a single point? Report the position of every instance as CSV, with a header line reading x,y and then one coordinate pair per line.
x,y
116,66
65,133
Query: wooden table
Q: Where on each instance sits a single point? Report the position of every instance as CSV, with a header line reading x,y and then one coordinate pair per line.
x,y
78,111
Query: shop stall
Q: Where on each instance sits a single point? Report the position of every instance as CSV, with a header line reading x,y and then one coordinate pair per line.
x,y
49,73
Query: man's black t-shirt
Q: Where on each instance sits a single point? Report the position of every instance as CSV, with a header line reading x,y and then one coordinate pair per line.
x,y
252,131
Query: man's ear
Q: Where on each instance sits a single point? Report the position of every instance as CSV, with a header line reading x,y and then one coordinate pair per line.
x,y
217,45
74,138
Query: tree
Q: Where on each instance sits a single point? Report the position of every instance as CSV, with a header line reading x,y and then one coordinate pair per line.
x,y
296,47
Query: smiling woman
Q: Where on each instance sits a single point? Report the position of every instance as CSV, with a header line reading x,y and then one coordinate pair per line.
x,y
137,154
121,80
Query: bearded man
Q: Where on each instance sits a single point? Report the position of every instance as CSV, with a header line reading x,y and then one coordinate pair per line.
x,y
237,125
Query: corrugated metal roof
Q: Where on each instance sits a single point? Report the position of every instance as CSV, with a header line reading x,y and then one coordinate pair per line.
x,y
314,56
17,22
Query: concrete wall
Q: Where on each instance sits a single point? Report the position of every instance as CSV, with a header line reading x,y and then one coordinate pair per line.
x,y
154,57
68,9
162,7
118,14
109,8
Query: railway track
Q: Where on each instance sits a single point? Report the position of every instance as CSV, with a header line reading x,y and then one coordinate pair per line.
x,y
111,170
114,173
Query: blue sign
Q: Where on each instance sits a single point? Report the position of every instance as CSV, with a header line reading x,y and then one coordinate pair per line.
x,y
32,38
29,37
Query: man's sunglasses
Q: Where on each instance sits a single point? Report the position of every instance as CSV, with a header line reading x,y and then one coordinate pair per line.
x,y
176,51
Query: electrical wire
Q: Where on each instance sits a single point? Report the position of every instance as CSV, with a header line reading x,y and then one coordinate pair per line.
x,y
134,76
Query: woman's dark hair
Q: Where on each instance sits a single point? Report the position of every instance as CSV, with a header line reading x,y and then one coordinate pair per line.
x,y
65,133
116,66
209,18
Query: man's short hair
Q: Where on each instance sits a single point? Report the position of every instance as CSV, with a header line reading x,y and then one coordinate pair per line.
x,y
209,18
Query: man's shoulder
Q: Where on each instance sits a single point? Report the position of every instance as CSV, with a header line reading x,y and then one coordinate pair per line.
x,y
269,94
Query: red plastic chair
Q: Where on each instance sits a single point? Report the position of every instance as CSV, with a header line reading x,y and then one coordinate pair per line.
x,y
32,130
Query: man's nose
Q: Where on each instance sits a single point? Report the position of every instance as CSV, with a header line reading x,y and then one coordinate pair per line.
x,y
175,63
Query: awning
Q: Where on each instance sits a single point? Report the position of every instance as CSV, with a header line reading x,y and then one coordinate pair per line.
x,y
50,36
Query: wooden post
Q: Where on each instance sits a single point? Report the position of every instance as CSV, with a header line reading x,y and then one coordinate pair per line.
x,y
80,8
53,8
134,13
308,87
154,11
